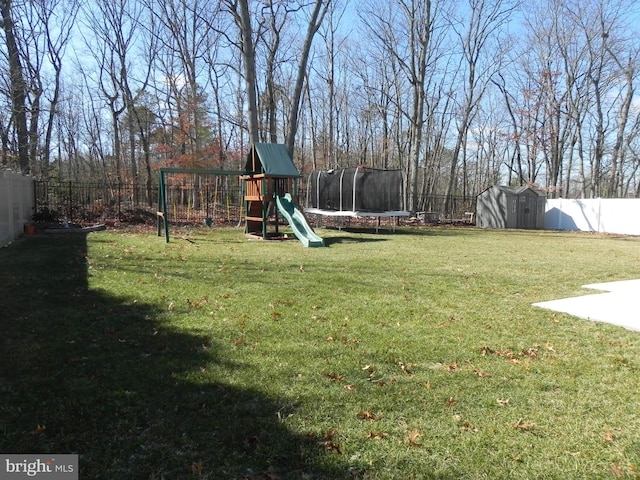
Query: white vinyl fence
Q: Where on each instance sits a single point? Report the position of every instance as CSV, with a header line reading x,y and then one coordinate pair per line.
x,y
603,215
16,204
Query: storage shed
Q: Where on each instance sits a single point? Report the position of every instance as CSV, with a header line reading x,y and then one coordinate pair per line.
x,y
510,207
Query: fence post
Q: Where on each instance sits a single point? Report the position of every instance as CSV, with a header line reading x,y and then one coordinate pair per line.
x,y
70,206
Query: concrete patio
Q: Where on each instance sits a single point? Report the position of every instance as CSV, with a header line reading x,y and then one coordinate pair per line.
x,y
619,305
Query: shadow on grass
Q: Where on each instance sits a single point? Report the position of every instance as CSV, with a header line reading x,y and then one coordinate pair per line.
x,y
328,241
84,372
411,230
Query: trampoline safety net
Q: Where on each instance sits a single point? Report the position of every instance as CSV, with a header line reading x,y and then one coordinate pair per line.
x,y
355,189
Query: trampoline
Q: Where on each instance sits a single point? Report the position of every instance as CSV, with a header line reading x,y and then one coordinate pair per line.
x,y
356,192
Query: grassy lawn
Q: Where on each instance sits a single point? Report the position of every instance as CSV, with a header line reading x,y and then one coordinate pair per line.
x,y
407,355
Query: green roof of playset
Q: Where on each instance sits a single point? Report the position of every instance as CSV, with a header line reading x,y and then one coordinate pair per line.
x,y
271,159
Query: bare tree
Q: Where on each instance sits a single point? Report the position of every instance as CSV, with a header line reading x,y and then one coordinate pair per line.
x,y
626,58
582,73
184,37
239,9
404,32
17,85
513,160
480,37
221,74
124,50
274,16
58,21
315,20
328,70
40,31
611,72
109,43
240,12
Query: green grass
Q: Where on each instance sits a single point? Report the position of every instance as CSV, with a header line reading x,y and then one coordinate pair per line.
x,y
414,354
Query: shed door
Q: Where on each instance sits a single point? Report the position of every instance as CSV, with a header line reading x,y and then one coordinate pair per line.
x,y
526,212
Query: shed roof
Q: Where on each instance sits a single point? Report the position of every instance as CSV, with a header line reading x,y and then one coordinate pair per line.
x,y
513,190
272,159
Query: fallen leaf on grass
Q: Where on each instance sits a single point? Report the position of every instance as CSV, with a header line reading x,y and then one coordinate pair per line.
x,y
349,341
405,367
450,402
196,467
617,471
369,416
239,342
39,429
503,402
516,358
198,303
467,427
329,434
524,426
499,353
328,444
377,435
623,361
609,436
451,367
412,438
531,352
481,374
333,376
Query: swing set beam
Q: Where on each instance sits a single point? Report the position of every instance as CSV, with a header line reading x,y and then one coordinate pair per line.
x,y
162,213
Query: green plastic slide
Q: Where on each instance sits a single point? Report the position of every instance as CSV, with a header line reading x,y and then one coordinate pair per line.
x,y
297,222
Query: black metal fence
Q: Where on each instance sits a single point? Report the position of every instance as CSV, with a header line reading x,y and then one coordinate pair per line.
x,y
211,201
447,209
187,203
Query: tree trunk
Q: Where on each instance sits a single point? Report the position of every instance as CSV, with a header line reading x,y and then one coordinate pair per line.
x,y
249,63
319,11
18,87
